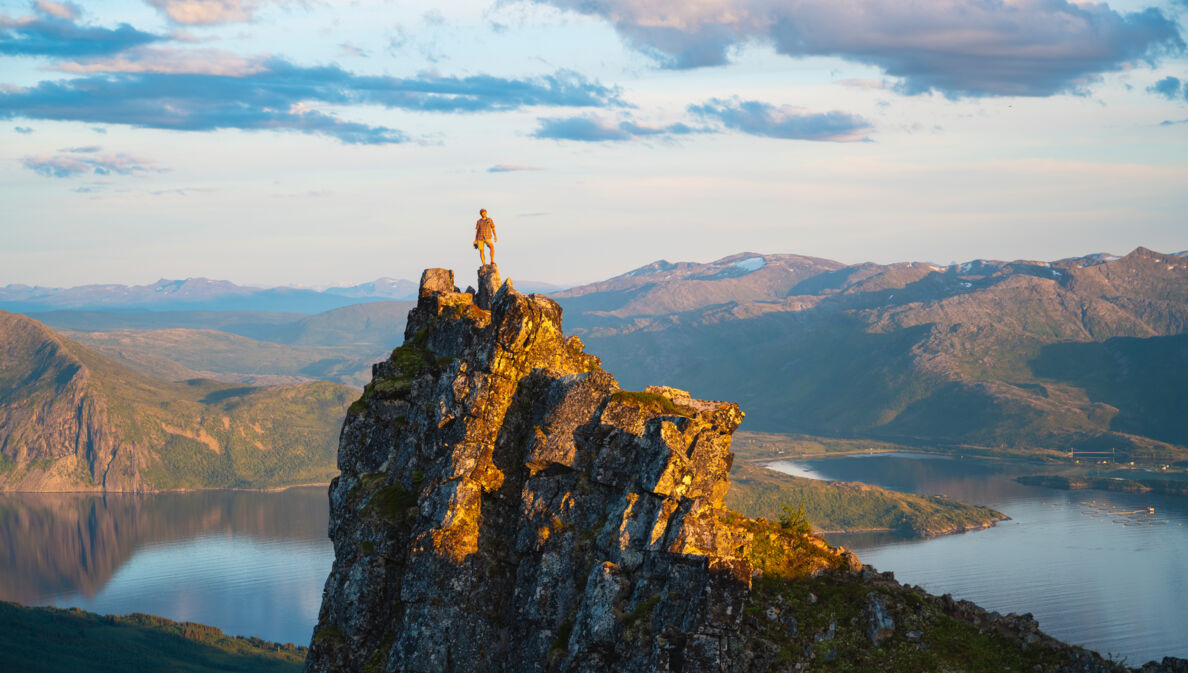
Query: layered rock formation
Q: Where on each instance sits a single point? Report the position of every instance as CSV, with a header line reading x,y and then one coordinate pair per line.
x,y
504,506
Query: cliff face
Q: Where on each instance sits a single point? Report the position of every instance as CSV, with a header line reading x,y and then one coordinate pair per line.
x,y
504,506
50,418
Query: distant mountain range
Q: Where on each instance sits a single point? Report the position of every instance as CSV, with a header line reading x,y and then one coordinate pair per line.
x,y
1088,352
1085,353
204,294
73,420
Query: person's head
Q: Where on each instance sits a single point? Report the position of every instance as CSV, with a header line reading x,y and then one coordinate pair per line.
x,y
482,212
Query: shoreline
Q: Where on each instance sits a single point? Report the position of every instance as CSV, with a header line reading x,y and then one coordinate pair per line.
x,y
261,489
911,534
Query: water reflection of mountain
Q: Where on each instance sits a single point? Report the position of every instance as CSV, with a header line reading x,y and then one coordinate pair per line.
x,y
57,543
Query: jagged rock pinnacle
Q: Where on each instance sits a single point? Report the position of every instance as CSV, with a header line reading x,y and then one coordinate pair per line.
x,y
502,502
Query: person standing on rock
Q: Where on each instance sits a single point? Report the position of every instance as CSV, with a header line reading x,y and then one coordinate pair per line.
x,y
484,235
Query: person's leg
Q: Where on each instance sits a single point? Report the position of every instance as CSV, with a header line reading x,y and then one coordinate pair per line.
x,y
482,252
491,244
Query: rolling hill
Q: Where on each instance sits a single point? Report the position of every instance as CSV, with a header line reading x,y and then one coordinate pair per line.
x,y
250,347
72,420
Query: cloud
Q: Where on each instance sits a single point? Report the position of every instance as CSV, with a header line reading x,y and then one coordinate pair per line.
x,y
397,38
349,48
510,168
87,160
206,12
784,121
61,10
183,191
593,128
866,83
1169,87
168,61
958,47
23,130
52,34
282,96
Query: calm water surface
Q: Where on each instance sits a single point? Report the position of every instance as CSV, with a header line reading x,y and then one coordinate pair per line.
x,y
1097,569
248,563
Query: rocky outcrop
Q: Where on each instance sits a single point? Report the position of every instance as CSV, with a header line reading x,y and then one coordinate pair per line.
x,y
55,433
504,506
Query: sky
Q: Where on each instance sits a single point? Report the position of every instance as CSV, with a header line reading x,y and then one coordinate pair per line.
x,y
318,142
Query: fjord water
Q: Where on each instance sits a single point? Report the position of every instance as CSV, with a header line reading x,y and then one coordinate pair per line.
x,y
249,563
1088,564
1095,568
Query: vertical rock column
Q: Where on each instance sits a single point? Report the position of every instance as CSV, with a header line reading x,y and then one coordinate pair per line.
x,y
488,285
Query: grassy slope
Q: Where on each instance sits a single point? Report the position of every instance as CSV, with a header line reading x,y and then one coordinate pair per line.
x,y
50,640
850,507
267,436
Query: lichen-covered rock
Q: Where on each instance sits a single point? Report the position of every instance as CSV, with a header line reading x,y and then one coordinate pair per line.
x,y
504,506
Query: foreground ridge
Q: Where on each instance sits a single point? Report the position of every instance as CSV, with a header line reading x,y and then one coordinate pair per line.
x,y
504,506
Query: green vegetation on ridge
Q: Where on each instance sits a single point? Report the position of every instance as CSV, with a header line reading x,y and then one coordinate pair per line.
x,y
52,640
850,507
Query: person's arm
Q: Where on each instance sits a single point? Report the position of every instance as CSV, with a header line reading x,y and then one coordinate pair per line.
x,y
494,236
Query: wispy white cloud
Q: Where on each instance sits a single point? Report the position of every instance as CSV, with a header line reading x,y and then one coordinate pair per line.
x,y
164,60
206,12
866,83
77,161
510,168
61,10
349,48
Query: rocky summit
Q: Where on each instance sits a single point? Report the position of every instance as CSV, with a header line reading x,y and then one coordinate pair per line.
x,y
504,506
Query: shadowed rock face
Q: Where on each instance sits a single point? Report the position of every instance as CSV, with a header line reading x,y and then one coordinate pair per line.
x,y
504,506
